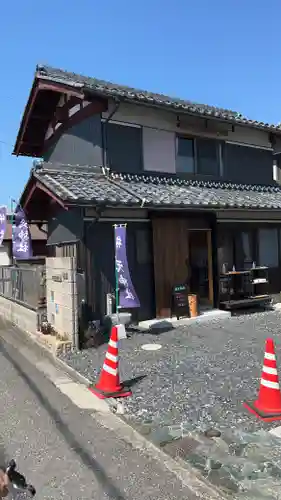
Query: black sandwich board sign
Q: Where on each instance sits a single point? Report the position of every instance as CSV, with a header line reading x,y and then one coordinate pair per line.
x,y
180,304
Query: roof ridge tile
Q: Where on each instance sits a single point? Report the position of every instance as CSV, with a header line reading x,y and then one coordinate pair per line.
x,y
140,95
155,179
124,189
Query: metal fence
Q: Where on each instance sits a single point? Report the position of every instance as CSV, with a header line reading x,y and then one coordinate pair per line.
x,y
24,284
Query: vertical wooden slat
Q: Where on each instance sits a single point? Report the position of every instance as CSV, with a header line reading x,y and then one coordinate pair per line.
x,y
170,249
210,268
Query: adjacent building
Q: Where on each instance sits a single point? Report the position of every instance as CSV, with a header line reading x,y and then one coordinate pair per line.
x,y
196,184
38,238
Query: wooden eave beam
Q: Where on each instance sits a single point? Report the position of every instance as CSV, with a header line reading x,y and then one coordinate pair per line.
x,y
52,196
39,186
61,88
26,116
83,114
40,84
40,117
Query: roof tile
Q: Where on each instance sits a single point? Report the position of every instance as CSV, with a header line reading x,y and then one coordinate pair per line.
x,y
81,184
179,192
137,95
90,184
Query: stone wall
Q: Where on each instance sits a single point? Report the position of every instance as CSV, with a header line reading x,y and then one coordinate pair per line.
x,y
62,304
19,315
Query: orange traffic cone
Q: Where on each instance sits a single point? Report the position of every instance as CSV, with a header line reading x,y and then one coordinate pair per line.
x,y
109,384
268,405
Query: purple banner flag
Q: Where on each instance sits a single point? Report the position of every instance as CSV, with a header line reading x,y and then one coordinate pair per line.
x,y
22,248
127,296
3,223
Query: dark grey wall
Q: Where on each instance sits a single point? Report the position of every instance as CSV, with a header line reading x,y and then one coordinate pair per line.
x,y
123,148
100,241
248,165
65,227
82,145
79,145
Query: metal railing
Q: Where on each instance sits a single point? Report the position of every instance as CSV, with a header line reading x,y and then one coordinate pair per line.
x,y
24,284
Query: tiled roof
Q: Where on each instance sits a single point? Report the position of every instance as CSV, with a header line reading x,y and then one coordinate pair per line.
x,y
81,184
142,96
89,184
167,191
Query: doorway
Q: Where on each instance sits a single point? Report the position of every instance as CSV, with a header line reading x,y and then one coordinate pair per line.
x,y
201,266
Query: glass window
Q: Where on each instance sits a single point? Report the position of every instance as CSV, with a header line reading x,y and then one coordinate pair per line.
x,y
185,155
244,250
225,250
277,169
208,160
268,247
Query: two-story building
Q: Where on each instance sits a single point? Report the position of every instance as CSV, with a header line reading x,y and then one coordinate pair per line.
x,y
196,185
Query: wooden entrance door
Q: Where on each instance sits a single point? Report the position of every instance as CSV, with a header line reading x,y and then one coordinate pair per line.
x,y
170,251
200,265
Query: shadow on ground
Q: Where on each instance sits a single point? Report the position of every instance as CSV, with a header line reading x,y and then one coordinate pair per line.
x,y
154,329
63,429
133,381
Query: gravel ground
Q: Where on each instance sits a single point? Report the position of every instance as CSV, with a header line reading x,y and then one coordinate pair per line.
x,y
63,451
199,378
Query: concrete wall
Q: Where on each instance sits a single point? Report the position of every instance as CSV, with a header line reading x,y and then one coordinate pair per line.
x,y
22,316
62,303
5,259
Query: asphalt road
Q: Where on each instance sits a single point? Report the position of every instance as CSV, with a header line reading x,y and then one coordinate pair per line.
x,y
63,450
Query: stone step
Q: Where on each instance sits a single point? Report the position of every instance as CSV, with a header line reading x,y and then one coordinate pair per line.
x,y
247,465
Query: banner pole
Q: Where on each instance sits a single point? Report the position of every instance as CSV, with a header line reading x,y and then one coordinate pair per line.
x,y
12,228
116,279
116,292
117,295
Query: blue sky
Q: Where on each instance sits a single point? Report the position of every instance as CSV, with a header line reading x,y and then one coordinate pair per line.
x,y
216,52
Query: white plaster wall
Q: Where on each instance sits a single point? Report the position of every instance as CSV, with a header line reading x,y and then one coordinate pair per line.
x,y
164,120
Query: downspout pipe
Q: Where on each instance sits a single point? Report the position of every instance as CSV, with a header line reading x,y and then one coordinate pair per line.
x,y
104,132
98,209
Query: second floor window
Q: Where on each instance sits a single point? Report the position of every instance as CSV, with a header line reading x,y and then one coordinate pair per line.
x,y
197,155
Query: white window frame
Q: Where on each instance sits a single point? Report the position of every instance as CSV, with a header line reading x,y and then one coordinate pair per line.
x,y
123,124
247,145
194,139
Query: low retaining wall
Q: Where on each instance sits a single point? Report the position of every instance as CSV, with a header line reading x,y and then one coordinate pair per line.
x,y
23,317
26,319
55,346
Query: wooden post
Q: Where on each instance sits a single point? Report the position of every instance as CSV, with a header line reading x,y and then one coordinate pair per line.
x,y
210,268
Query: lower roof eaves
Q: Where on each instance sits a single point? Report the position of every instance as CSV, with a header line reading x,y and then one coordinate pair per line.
x,y
80,185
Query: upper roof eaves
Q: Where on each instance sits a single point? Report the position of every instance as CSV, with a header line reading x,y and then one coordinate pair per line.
x,y
149,98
